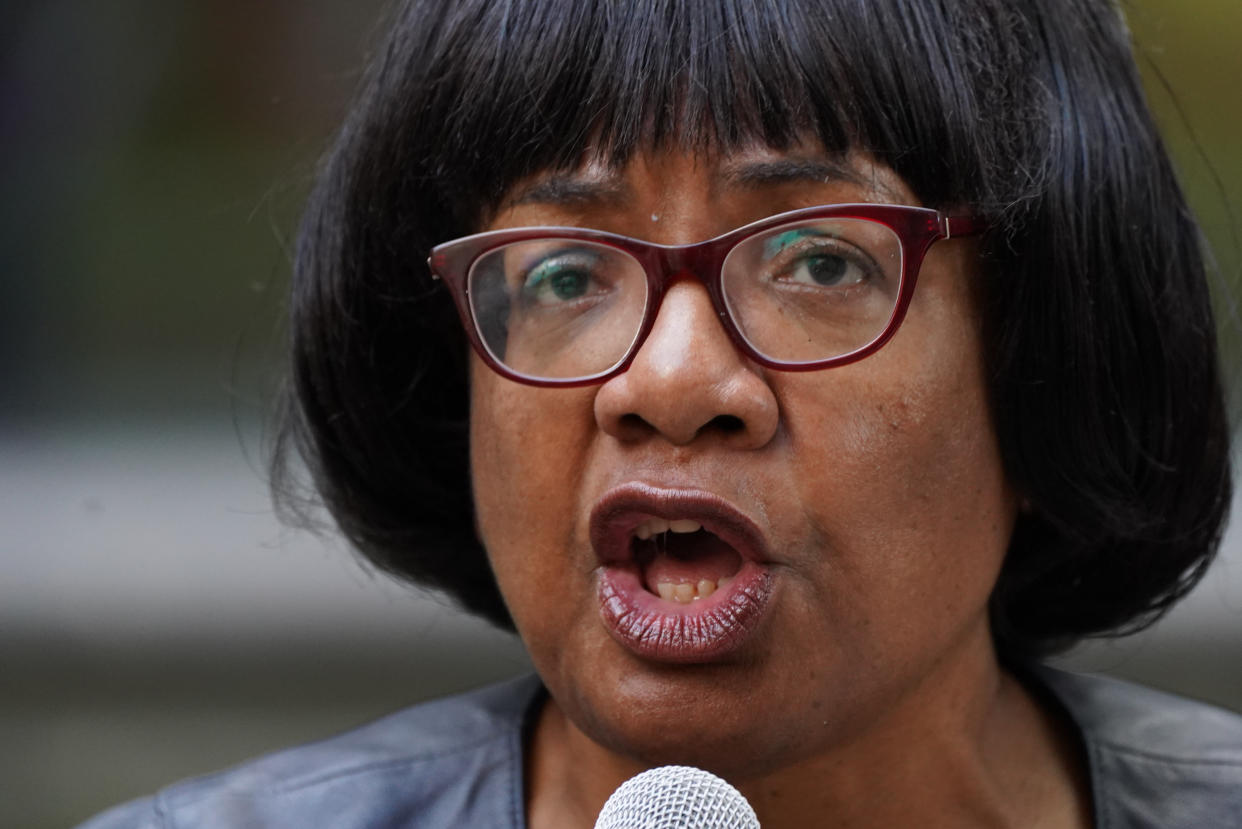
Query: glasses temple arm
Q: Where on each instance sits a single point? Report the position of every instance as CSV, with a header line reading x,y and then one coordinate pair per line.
x,y
954,226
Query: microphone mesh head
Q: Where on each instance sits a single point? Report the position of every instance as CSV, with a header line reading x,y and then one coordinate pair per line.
x,y
676,797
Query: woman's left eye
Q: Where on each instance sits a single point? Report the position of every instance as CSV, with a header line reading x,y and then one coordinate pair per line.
x,y
818,259
827,269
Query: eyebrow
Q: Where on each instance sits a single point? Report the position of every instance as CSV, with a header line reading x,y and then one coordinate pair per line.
x,y
573,191
610,190
788,170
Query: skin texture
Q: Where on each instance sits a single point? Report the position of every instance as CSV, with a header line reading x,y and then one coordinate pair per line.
x,y
869,694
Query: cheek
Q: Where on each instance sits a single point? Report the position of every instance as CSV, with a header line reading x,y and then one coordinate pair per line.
x,y
905,488
526,451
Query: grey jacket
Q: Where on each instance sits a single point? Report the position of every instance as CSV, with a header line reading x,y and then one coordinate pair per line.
x,y
1155,761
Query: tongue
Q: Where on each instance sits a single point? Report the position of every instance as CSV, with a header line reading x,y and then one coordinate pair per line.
x,y
690,558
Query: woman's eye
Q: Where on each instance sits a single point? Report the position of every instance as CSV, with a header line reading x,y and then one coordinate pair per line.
x,y
559,279
825,269
567,284
807,257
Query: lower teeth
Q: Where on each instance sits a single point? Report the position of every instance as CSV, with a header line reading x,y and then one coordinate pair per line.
x,y
687,592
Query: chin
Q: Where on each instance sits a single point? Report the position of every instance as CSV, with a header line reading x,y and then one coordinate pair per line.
x,y
689,716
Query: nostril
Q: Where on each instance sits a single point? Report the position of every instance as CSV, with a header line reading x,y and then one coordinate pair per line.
x,y
633,423
726,423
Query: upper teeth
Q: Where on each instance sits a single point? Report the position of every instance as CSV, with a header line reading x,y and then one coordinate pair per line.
x,y
655,526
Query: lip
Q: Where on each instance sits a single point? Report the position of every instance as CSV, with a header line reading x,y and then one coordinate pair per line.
x,y
646,625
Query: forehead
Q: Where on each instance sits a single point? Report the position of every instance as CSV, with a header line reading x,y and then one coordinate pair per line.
x,y
801,174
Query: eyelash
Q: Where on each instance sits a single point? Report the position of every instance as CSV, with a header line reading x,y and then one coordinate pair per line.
x,y
790,255
534,279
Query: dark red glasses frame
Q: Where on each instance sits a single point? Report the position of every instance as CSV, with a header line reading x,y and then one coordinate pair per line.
x,y
916,228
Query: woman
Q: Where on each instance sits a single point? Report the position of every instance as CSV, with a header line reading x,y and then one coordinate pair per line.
x,y
801,504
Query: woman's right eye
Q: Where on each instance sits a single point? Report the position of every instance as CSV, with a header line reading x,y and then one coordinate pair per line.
x,y
560,278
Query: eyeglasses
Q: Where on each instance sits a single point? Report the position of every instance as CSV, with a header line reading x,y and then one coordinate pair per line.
x,y
804,290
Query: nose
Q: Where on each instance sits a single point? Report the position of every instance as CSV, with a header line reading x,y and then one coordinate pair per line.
x,y
689,382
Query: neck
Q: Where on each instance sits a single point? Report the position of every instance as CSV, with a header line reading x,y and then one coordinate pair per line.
x,y
966,746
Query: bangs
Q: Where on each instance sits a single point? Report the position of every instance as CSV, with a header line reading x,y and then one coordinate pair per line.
x,y
513,88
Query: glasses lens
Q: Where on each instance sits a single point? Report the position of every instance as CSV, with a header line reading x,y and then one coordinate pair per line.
x,y
557,309
815,289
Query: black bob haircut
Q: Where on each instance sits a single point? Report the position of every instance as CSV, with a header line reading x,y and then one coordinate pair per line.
x,y
1103,376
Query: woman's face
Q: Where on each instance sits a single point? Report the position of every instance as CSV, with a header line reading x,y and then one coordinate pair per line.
x,y
853,520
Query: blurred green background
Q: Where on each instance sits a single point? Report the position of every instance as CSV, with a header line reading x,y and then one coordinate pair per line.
x,y
155,620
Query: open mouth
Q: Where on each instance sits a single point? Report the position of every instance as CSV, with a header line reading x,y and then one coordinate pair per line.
x,y
682,562
683,575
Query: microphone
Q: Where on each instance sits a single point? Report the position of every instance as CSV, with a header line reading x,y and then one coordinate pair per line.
x,y
676,797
